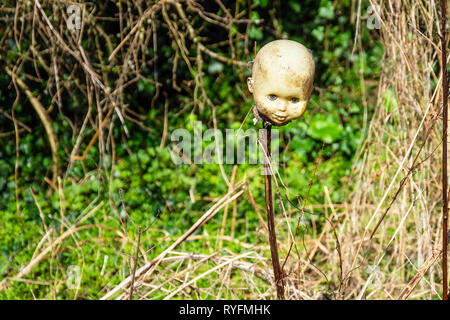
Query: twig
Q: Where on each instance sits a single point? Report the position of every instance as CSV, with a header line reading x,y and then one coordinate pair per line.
x,y
415,280
325,231
304,205
41,214
444,149
225,211
45,118
94,138
135,262
16,164
166,121
253,202
146,14
61,203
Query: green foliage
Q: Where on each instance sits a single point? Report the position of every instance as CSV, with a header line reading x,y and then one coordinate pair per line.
x,y
325,129
143,186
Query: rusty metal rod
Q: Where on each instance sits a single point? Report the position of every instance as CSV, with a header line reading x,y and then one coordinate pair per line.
x,y
278,273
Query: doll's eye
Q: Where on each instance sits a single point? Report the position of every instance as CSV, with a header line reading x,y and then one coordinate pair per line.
x,y
272,96
294,100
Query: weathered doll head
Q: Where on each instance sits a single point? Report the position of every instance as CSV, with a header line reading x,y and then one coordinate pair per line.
x,y
282,80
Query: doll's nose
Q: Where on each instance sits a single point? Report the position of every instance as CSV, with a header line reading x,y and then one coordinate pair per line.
x,y
282,106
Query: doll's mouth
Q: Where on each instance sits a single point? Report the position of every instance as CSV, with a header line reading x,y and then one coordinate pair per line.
x,y
279,117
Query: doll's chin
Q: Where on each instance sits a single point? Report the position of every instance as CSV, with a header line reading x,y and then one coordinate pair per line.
x,y
275,122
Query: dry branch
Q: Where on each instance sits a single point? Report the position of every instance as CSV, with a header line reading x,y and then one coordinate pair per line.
x,y
45,118
415,280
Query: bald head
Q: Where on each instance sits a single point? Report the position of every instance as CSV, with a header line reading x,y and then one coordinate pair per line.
x,y
282,79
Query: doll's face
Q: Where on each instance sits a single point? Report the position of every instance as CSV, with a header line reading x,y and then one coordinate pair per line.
x,y
281,83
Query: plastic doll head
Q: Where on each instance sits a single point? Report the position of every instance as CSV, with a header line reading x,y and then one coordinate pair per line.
x,y
282,81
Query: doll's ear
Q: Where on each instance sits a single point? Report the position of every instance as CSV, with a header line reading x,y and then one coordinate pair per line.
x,y
250,83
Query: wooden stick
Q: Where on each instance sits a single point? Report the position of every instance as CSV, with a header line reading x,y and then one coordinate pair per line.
x,y
444,150
278,273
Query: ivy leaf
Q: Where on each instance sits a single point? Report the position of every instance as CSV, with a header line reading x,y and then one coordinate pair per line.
x,y
326,10
255,33
146,86
318,33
